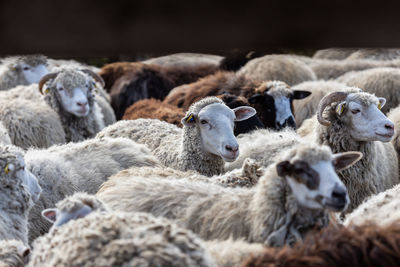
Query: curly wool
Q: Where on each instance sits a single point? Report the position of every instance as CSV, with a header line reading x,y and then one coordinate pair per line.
x,y
16,200
10,255
378,168
215,212
174,147
119,239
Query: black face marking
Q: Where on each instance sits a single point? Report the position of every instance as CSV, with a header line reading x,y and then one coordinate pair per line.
x,y
299,171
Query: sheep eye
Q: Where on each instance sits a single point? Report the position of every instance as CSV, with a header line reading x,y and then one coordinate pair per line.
x,y
26,68
203,122
60,88
355,111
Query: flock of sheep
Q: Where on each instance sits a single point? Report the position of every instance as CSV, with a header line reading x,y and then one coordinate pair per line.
x,y
201,160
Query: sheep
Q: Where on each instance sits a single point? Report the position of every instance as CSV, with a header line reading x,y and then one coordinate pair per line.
x,y
19,189
13,253
394,115
379,81
352,120
278,67
120,239
375,53
22,70
306,108
272,99
368,245
4,136
290,199
204,143
65,169
155,109
380,209
334,53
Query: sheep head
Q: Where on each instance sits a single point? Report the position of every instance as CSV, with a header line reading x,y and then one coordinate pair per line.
x,y
359,113
72,88
29,69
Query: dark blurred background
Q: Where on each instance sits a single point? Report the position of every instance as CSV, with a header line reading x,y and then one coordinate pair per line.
x,y
129,30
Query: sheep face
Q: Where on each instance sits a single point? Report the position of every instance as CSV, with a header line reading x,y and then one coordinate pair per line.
x,y
275,99
216,123
13,165
317,186
32,74
365,120
74,100
58,217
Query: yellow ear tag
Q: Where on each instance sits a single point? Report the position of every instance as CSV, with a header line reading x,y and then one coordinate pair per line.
x,y
340,109
46,91
379,105
190,118
6,170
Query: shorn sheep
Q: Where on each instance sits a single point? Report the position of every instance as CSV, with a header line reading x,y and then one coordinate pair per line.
x,y
352,120
366,245
278,67
19,189
378,81
272,99
306,108
289,200
65,169
120,239
22,70
381,209
204,143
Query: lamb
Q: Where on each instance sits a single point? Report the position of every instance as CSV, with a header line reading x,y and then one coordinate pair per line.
x,y
204,143
334,53
380,209
65,169
306,108
352,120
368,245
22,70
290,199
379,81
19,189
120,239
13,253
278,67
155,109
272,99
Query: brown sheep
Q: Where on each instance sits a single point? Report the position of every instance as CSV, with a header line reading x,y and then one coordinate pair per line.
x,y
366,245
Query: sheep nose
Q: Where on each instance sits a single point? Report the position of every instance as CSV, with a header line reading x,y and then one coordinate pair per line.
x,y
232,148
81,103
389,126
339,193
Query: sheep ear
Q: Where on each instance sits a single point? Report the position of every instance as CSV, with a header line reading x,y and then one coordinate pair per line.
x,y
243,113
340,108
189,120
283,168
50,215
382,102
345,160
298,94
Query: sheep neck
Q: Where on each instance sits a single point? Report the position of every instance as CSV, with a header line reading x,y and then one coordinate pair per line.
x,y
193,157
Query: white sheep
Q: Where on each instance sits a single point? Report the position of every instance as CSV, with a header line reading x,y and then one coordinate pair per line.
x,y
290,199
22,70
306,108
67,112
381,209
278,67
18,190
204,143
378,81
120,239
65,169
352,120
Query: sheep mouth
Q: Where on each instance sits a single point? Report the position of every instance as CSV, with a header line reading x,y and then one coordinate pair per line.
x,y
229,158
388,135
335,206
